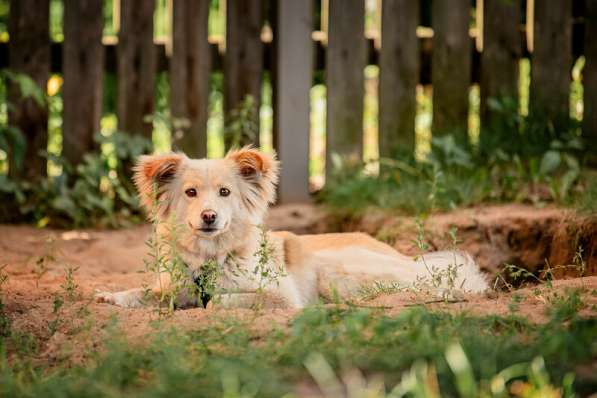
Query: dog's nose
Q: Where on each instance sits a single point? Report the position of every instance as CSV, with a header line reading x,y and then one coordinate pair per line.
x,y
209,216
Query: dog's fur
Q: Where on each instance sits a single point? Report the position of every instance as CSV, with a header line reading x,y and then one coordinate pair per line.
x,y
312,266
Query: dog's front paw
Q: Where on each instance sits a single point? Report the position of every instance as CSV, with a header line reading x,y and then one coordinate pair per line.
x,y
127,299
104,297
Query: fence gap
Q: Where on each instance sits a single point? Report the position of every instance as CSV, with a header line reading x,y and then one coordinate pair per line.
x,y
502,49
83,69
29,48
293,77
136,66
189,76
551,61
451,66
243,62
345,64
399,63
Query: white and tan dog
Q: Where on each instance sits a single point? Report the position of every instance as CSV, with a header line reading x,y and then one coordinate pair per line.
x,y
220,205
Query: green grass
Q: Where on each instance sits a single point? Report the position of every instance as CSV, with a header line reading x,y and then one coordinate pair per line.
x,y
230,358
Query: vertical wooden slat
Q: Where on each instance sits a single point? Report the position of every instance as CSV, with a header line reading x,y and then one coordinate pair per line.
x,y
29,48
345,63
294,62
590,78
243,61
399,75
501,54
451,66
551,61
189,75
83,67
136,66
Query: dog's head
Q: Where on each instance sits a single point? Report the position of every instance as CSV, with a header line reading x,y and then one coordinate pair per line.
x,y
208,197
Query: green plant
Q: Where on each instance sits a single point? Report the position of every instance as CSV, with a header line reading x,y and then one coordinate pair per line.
x,y
57,306
49,256
241,127
164,258
69,286
5,321
519,158
515,301
97,192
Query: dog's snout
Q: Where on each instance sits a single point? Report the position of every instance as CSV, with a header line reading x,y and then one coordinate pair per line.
x,y
209,216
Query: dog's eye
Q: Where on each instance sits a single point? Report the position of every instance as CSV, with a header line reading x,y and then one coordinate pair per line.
x,y
191,192
224,192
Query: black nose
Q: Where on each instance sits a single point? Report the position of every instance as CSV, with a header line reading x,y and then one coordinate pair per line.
x,y
209,216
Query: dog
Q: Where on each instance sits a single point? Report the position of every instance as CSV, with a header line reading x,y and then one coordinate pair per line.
x,y
218,206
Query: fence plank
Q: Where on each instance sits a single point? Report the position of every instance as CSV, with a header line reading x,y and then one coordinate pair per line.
x,y
29,54
136,66
590,77
551,61
189,74
451,66
243,61
83,62
294,63
501,54
399,74
344,74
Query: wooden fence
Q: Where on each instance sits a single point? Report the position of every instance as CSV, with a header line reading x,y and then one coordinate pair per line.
x,y
450,59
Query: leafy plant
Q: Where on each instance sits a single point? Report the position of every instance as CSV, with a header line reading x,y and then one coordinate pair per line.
x,y
97,192
519,158
242,128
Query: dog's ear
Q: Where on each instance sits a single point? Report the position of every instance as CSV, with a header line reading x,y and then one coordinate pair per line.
x,y
152,174
260,173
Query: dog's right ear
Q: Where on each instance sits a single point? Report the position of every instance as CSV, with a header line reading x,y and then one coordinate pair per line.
x,y
152,174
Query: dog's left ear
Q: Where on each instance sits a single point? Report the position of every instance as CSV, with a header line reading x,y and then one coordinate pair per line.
x,y
259,170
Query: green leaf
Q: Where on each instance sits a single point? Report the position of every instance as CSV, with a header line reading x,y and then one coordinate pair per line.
x,y
550,162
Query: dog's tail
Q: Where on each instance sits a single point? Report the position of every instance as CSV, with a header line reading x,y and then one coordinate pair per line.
x,y
451,269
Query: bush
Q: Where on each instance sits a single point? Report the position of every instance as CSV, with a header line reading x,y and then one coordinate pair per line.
x,y
97,192
518,159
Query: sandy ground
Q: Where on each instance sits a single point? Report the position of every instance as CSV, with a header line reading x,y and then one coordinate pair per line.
x,y
35,262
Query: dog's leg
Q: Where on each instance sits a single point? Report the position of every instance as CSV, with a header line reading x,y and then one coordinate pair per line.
x,y
133,298
139,297
266,299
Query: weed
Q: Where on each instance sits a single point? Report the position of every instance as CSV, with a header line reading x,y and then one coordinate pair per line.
x,y
513,275
49,256
5,321
56,322
266,269
565,307
379,288
70,287
514,304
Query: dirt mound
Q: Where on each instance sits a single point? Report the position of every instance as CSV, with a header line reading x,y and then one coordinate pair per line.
x,y
532,238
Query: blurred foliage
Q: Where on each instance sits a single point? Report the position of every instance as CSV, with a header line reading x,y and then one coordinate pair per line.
x,y
93,193
12,140
518,158
416,353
